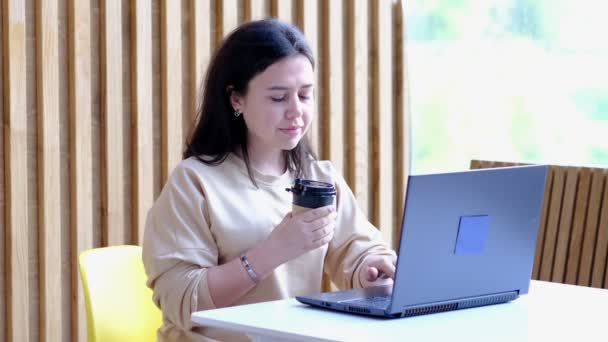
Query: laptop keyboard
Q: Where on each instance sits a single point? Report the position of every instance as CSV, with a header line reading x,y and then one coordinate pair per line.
x,y
375,302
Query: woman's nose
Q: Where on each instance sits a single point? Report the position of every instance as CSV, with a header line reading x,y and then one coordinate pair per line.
x,y
295,108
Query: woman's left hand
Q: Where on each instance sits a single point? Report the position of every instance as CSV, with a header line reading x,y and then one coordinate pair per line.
x,y
377,270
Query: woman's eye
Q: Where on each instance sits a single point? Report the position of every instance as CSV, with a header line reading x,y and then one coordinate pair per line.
x,y
277,99
304,97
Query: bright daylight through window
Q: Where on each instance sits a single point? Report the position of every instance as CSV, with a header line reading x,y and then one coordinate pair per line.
x,y
507,80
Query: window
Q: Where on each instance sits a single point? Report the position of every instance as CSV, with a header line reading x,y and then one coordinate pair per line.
x,y
507,80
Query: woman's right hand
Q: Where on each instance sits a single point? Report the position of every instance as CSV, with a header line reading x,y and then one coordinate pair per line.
x,y
301,232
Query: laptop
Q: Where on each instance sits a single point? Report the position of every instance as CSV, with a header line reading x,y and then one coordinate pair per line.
x,y
467,240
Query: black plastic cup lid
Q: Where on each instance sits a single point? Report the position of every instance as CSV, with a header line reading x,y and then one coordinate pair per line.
x,y
304,187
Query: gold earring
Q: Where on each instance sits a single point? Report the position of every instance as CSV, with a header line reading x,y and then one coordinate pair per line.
x,y
237,113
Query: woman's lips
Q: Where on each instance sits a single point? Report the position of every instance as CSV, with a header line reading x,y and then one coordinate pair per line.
x,y
291,131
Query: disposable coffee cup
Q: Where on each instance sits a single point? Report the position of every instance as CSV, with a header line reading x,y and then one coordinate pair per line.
x,y
309,194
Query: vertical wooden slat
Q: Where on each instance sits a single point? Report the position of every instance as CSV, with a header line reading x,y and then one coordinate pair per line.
x,y
333,83
542,228
201,48
578,226
49,219
557,194
172,107
188,73
33,165
255,9
565,225
3,254
142,127
606,276
282,9
16,191
374,114
64,313
96,117
81,165
357,102
307,19
591,228
227,19
604,225
599,276
402,118
112,166
350,119
382,120
156,48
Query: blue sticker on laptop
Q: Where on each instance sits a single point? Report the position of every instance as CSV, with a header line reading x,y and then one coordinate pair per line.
x,y
472,234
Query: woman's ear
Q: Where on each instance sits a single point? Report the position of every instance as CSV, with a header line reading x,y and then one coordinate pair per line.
x,y
236,100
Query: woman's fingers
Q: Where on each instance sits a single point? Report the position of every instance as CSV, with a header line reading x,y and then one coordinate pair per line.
x,y
324,240
389,269
322,221
372,273
382,267
322,232
312,228
314,214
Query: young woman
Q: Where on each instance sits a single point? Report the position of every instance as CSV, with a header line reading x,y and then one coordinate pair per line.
x,y
222,232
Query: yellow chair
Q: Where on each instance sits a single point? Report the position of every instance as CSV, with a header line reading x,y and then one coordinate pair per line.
x,y
118,303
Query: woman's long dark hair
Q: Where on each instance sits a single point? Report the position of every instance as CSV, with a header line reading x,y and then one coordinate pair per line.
x,y
246,52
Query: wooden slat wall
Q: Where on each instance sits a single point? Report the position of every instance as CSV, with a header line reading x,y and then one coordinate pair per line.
x,y
356,127
81,150
97,97
171,61
112,128
16,276
142,111
382,117
572,244
601,248
282,9
401,120
49,185
255,9
307,19
2,197
202,43
331,69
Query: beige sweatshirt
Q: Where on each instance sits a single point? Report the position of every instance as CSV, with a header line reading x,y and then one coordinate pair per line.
x,y
208,215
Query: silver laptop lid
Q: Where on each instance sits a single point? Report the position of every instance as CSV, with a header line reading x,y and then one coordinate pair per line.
x,y
468,234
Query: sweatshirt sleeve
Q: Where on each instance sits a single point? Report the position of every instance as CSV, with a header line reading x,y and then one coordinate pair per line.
x,y
354,238
178,248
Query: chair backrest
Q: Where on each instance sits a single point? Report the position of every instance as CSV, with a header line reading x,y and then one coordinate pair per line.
x,y
572,244
118,303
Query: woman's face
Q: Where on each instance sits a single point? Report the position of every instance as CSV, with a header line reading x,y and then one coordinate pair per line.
x,y
279,104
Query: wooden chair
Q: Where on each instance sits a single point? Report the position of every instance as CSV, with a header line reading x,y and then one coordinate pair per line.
x,y
572,244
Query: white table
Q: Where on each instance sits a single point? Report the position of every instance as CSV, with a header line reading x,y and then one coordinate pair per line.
x,y
549,312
